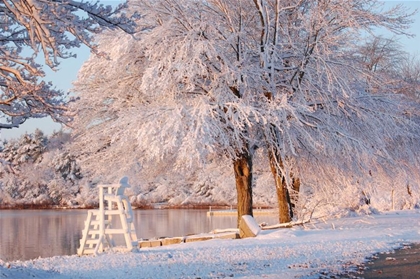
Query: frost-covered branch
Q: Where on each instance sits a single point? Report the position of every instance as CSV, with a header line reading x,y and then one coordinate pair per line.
x,y
49,29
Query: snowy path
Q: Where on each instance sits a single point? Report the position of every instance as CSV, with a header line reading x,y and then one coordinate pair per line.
x,y
300,252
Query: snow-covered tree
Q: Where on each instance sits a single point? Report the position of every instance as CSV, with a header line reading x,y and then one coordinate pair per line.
x,y
409,72
36,171
27,149
67,166
52,28
315,90
380,54
218,79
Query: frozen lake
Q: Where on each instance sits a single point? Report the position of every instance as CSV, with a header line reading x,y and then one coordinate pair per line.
x,y
29,234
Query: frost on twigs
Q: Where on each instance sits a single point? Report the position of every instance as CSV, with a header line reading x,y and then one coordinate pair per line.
x,y
46,29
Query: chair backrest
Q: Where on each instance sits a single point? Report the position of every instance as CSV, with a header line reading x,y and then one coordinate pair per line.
x,y
123,185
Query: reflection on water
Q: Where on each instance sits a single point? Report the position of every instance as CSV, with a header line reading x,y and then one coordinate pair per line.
x,y
29,234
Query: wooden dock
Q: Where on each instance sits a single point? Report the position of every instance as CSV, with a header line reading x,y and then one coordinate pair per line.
x,y
233,234
233,212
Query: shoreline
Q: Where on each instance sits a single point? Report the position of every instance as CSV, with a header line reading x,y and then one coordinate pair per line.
x,y
326,250
143,207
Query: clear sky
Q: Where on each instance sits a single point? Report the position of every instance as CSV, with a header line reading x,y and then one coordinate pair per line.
x,y
68,70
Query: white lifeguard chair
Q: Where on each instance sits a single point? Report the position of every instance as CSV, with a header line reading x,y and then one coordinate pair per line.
x,y
99,224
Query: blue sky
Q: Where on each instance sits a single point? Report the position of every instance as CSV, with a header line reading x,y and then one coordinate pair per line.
x,y
68,71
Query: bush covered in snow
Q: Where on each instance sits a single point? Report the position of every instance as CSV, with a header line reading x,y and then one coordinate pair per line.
x,y
36,172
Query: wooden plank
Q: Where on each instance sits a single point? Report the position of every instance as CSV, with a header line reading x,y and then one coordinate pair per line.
x,y
150,243
194,238
172,240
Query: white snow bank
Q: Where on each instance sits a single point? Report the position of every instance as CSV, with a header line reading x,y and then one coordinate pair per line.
x,y
299,251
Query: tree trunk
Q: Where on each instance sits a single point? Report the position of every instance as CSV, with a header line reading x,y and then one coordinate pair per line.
x,y
283,197
243,176
295,188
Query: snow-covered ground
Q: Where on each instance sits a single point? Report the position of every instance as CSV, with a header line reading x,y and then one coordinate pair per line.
x,y
299,252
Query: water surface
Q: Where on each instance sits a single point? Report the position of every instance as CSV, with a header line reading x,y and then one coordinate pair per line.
x,y
29,234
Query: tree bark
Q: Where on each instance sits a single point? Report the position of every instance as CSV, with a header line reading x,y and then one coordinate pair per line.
x,y
283,197
243,175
